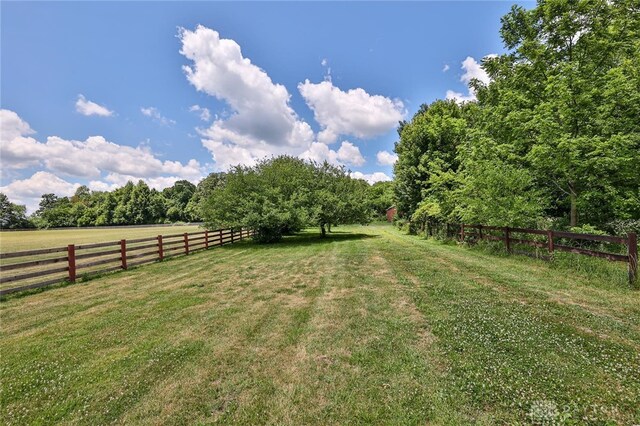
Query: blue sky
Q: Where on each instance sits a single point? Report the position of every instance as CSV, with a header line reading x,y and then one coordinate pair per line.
x,y
98,93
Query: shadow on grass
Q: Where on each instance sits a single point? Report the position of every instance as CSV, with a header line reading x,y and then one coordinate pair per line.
x,y
306,238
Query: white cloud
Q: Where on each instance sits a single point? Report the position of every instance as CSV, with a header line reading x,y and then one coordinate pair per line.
x,y
92,157
89,159
117,180
153,113
204,113
446,68
324,62
98,185
371,178
386,158
12,126
86,107
262,122
348,154
28,191
459,97
472,70
354,112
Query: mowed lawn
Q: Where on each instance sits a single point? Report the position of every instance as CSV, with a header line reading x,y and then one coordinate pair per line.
x,y
30,240
367,326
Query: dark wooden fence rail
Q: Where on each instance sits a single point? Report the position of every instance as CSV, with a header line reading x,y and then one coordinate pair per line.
x,y
548,240
74,261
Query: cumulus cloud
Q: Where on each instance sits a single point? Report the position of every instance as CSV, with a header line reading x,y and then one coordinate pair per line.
x,y
472,71
446,68
262,121
348,154
89,159
92,157
86,107
203,113
152,112
386,158
12,126
28,191
371,178
354,112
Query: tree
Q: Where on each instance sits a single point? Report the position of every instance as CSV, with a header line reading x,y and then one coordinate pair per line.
x,y
551,98
282,195
177,197
203,191
428,149
12,216
380,197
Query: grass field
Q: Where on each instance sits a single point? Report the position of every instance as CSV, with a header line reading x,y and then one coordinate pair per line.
x,y
365,326
30,240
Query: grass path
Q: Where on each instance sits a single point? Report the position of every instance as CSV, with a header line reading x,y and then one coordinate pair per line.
x,y
367,326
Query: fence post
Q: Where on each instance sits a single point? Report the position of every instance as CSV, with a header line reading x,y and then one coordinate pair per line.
x,y
632,248
231,235
480,231
71,256
550,241
123,253
206,239
462,233
507,239
160,248
186,243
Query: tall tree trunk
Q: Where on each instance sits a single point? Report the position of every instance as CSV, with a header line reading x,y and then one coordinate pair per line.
x,y
329,227
573,221
323,230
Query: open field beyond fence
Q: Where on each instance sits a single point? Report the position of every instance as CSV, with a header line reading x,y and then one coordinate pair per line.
x,y
365,326
33,269
46,238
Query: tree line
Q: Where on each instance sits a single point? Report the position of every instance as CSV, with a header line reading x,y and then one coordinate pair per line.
x,y
285,192
553,141
131,204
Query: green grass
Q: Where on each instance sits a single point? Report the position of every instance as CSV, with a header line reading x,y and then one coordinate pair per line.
x,y
30,240
367,326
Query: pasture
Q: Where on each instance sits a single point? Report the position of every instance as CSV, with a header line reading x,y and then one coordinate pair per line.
x,y
365,326
44,238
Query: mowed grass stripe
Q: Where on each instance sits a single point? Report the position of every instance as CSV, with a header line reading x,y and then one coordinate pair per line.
x,y
240,340
509,346
367,326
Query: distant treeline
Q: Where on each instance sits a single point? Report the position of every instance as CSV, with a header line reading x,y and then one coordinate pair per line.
x,y
137,204
132,204
553,141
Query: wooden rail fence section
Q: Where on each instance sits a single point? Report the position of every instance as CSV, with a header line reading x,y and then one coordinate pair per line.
x,y
482,232
88,259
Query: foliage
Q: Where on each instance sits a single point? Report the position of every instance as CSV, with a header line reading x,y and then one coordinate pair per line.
x,y
12,215
380,198
131,204
553,138
282,195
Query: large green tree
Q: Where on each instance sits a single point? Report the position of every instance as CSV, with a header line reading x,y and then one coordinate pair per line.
x,y
565,98
12,216
284,194
428,154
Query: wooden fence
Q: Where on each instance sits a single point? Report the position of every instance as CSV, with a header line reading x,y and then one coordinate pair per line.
x,y
74,261
551,241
